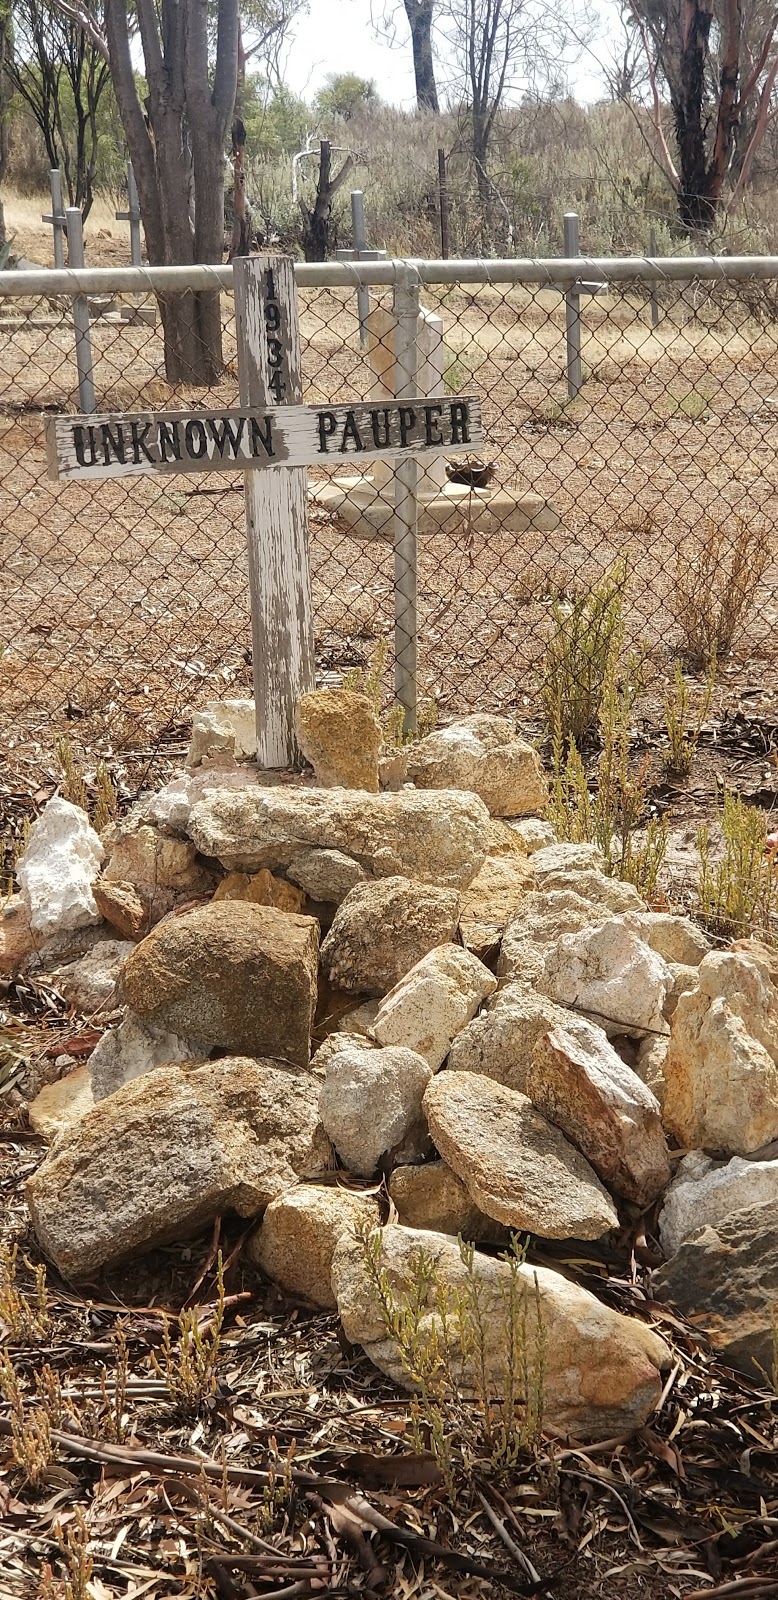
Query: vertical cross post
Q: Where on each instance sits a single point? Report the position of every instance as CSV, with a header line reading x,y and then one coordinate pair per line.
x,y
443,200
86,388
406,508
654,290
57,219
269,366
359,232
132,215
359,252
573,312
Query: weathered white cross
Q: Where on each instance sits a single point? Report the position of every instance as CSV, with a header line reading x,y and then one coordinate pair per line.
x,y
268,431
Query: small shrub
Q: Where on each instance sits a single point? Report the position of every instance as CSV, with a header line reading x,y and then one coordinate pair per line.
x,y
106,806
682,735
114,1417
716,578
463,1409
277,1492
31,1446
26,1315
72,784
369,681
738,895
586,635
613,816
188,1367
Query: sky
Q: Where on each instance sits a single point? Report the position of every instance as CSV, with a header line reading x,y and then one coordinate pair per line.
x,y
338,36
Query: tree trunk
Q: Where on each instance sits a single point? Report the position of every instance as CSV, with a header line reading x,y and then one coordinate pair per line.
x,y
317,223
241,221
419,14
178,150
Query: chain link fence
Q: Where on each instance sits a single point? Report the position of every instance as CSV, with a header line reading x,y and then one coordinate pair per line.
x,y
125,602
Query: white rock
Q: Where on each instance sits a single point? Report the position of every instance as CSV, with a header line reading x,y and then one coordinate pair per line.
x,y
611,894
484,755
650,1064
58,868
370,1102
90,983
544,916
438,837
128,1051
224,728
609,974
677,939
171,806
705,1191
535,834
429,1006
721,1070
563,857
580,1083
682,980
500,1041
325,874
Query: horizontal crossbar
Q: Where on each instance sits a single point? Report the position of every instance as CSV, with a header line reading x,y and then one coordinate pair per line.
x,y
559,273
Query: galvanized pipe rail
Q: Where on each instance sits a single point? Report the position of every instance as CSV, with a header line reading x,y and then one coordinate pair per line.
x,y
558,272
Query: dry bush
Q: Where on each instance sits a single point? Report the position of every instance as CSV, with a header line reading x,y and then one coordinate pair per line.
x,y
717,575
738,895
585,638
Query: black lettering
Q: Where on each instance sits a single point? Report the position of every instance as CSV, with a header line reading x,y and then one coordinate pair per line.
x,y
275,352
328,422
380,438
112,442
272,318
351,431
262,436
460,422
224,431
139,437
169,442
407,422
196,440
82,437
270,285
432,433
276,384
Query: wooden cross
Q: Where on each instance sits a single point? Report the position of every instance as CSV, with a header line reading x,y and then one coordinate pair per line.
x,y
270,430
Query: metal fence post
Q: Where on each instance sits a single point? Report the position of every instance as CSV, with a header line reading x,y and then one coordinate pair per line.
x,y
654,290
132,215
406,508
57,218
443,202
86,388
573,312
359,232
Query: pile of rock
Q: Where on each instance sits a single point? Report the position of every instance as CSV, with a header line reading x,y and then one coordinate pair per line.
x,y
413,984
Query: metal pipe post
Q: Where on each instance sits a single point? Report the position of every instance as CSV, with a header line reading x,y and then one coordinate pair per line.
x,y
443,200
406,504
134,216
573,313
57,218
86,388
654,290
359,231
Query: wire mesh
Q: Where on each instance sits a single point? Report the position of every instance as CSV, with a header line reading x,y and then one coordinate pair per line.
x,y
125,602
